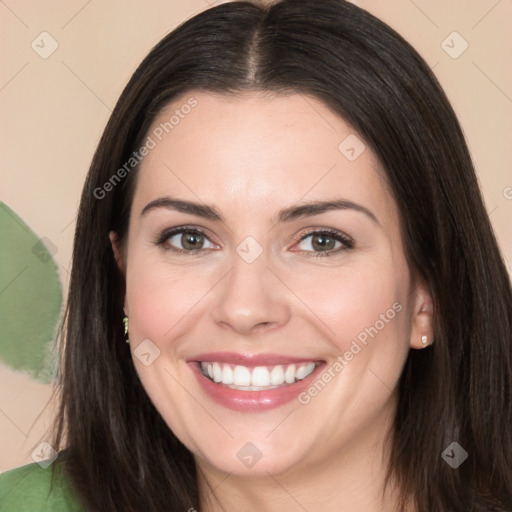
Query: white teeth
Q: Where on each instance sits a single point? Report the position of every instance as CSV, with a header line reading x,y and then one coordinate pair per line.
x,y
217,372
227,374
241,376
303,371
277,375
289,374
207,369
259,377
251,388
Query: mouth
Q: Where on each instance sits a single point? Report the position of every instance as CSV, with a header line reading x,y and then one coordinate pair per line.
x,y
258,378
253,383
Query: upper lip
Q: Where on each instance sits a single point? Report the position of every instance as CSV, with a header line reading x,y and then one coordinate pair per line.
x,y
250,360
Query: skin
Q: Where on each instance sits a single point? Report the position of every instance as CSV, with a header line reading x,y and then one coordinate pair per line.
x,y
250,156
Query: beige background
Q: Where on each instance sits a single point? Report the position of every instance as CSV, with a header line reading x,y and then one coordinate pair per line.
x,y
53,112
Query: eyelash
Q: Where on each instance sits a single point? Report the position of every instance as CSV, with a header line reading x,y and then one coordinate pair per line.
x,y
333,233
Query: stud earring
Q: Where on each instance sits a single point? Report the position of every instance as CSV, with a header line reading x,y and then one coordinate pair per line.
x,y
125,321
424,341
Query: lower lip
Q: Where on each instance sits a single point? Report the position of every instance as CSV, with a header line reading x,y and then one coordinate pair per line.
x,y
255,401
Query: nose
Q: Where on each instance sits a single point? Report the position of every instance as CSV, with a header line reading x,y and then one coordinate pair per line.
x,y
251,298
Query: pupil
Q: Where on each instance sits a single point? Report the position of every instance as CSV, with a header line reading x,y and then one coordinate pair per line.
x,y
322,244
190,237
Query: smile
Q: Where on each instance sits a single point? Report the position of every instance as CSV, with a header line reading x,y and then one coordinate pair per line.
x,y
257,378
253,382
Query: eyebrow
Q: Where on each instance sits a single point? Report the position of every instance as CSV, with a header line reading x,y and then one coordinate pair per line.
x,y
288,214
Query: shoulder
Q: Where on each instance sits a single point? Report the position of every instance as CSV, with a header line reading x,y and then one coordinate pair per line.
x,y
32,488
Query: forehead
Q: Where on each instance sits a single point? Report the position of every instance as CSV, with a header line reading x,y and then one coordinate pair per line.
x,y
255,149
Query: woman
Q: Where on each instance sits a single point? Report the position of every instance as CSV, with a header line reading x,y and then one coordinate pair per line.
x,y
283,221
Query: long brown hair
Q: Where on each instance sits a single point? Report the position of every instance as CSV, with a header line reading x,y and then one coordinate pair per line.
x,y
117,450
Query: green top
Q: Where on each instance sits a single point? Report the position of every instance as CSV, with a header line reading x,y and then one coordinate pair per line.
x,y
28,489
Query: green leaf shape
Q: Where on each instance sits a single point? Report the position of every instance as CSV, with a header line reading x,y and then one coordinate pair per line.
x,y
30,298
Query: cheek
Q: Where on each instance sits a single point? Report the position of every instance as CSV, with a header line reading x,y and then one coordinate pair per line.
x,y
160,296
364,316
358,303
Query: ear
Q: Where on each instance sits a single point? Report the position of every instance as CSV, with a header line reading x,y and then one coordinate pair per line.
x,y
117,251
422,317
119,257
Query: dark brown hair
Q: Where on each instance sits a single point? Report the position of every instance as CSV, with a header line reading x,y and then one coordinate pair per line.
x,y
117,450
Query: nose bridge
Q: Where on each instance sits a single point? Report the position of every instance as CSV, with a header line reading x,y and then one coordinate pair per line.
x,y
250,296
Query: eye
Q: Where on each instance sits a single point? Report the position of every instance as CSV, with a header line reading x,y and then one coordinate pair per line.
x,y
184,240
325,242
322,242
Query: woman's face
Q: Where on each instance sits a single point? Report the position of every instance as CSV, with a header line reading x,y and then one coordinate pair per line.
x,y
269,334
